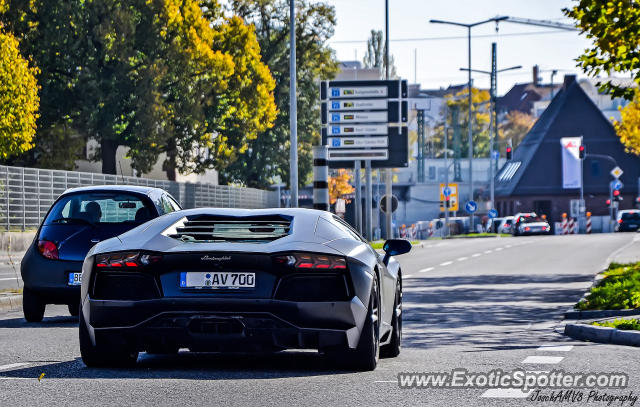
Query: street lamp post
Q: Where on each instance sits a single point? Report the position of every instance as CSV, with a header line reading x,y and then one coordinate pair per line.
x,y
470,132
293,108
494,116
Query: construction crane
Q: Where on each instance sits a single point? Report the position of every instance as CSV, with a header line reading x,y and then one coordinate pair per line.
x,y
540,23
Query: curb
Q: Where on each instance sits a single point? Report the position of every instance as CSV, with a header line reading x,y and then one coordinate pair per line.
x,y
602,334
10,302
598,314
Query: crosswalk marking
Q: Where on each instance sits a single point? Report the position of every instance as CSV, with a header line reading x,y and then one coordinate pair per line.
x,y
506,393
554,348
543,360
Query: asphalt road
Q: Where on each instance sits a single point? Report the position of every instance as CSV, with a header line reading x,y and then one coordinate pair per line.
x,y
477,304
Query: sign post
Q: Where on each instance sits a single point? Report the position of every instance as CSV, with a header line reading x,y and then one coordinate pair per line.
x,y
365,121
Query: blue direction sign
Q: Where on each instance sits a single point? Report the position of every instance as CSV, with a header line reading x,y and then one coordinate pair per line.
x,y
471,207
493,213
496,155
616,184
446,191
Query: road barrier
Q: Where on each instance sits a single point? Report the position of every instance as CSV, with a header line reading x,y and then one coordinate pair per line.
x,y
588,222
565,229
27,193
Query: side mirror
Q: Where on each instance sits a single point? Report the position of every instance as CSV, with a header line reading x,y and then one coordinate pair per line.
x,y
393,247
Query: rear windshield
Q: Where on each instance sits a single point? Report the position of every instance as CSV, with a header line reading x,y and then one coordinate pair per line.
x,y
213,228
99,207
531,219
631,216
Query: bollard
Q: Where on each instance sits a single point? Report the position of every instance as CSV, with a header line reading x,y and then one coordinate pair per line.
x,y
320,178
588,222
572,226
564,224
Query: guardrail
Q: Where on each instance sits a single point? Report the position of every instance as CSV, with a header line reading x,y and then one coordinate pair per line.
x,y
27,193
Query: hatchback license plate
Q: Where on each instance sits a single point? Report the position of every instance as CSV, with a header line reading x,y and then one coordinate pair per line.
x,y
205,279
75,279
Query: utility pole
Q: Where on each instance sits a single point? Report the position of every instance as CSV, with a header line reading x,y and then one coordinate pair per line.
x,y
388,175
446,172
293,107
493,126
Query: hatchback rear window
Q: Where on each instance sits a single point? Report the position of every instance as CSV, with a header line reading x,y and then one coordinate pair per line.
x,y
631,216
99,207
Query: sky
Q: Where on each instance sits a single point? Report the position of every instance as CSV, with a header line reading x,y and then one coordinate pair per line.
x,y
415,43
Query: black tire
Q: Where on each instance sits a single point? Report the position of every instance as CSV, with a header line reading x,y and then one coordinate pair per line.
x,y
103,355
392,349
74,309
32,306
365,356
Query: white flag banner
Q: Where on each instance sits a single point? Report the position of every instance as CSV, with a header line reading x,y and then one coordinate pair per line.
x,y
570,162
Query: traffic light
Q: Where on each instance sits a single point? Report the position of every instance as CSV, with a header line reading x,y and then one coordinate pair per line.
x,y
447,202
608,202
616,195
509,153
582,151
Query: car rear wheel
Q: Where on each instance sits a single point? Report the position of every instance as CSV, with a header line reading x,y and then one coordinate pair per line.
x,y
32,306
74,309
392,349
103,355
365,356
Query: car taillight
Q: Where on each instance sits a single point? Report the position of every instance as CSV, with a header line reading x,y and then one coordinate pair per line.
x,y
544,228
527,229
311,261
125,260
48,249
619,220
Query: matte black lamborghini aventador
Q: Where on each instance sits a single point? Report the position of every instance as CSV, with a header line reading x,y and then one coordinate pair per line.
x,y
241,280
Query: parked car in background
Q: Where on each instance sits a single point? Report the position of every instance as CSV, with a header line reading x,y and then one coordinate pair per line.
x,y
505,225
81,217
628,221
530,224
493,225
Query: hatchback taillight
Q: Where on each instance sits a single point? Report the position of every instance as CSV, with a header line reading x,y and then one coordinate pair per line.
x,y
306,261
48,249
125,260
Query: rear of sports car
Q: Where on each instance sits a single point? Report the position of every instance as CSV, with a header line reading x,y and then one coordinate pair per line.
x,y
251,296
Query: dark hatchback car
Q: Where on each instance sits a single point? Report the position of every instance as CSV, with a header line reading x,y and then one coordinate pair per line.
x,y
81,217
628,221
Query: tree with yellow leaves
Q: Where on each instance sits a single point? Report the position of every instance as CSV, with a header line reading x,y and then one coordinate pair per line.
x,y
628,129
515,127
339,186
19,98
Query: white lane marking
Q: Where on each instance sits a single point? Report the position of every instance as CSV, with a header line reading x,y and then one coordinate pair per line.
x,y
408,276
462,258
544,360
385,381
7,279
446,263
508,246
554,348
425,270
12,366
506,393
488,251
476,254
498,249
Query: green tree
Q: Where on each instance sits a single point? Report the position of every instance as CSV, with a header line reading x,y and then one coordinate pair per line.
x,y
628,129
480,128
18,98
150,75
374,56
515,127
614,28
267,156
